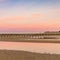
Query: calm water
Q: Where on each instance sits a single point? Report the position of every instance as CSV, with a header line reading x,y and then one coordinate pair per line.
x,y
32,47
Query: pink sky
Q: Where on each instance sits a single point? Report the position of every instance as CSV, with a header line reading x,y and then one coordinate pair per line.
x,y
29,18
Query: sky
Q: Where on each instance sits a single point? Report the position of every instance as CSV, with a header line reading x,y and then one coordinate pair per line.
x,y
29,15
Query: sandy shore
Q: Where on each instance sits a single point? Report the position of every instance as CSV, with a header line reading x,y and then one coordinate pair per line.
x,y
33,40
24,55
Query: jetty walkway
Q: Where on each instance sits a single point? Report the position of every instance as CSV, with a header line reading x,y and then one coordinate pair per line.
x,y
31,37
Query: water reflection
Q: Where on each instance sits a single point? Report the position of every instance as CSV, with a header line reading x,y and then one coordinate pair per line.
x,y
32,47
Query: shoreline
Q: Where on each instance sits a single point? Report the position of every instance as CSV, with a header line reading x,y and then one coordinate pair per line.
x,y
24,55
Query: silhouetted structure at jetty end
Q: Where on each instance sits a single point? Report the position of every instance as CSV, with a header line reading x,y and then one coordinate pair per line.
x,y
47,36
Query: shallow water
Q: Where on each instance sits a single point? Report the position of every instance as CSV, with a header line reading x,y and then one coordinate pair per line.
x,y
53,48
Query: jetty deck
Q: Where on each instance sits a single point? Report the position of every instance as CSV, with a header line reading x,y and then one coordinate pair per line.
x,y
51,37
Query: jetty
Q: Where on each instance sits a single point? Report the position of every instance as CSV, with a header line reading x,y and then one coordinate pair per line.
x,y
46,37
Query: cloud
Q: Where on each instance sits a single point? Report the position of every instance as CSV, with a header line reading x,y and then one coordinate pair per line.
x,y
2,0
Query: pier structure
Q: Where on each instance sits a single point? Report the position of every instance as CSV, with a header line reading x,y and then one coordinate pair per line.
x,y
30,37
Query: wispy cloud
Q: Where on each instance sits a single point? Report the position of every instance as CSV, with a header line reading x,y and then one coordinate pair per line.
x,y
3,0
34,15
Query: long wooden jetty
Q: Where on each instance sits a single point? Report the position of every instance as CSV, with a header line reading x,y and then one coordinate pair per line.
x,y
48,37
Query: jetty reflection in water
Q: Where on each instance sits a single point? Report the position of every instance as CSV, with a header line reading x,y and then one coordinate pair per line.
x,y
32,47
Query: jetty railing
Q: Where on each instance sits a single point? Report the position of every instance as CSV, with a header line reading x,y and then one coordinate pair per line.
x,y
31,37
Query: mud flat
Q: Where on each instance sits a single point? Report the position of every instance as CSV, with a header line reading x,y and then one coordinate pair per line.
x,y
24,55
31,40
